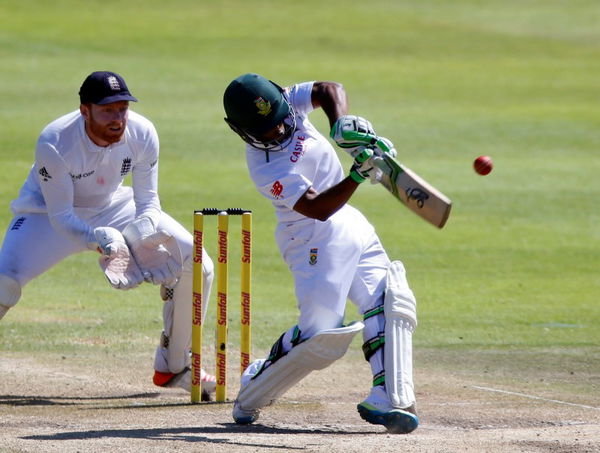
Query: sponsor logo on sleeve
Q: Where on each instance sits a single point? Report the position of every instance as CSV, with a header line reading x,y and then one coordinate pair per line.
x,y
276,190
18,223
44,174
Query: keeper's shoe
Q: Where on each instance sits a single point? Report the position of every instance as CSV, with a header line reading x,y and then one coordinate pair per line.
x,y
247,416
376,409
184,380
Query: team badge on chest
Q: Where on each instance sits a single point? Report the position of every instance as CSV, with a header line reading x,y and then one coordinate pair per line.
x,y
312,259
125,166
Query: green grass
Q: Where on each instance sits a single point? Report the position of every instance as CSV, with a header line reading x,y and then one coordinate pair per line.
x,y
516,268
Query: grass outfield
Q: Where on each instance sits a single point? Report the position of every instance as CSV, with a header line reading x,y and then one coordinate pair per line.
x,y
510,285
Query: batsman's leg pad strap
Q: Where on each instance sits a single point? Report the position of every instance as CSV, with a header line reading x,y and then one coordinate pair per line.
x,y
379,379
373,312
372,345
279,350
400,321
315,353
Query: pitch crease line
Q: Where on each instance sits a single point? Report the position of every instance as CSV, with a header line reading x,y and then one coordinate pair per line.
x,y
533,397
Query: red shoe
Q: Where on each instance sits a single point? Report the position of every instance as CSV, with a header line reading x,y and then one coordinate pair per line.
x,y
184,381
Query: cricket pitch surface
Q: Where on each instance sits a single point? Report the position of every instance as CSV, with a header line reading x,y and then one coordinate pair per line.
x,y
62,406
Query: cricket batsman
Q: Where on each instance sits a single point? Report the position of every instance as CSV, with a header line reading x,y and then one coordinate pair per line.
x,y
329,246
74,201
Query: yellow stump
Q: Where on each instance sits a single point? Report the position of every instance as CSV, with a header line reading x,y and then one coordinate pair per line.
x,y
197,308
246,270
221,335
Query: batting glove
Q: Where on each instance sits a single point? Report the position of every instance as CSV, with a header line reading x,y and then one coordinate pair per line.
x,y
382,146
351,132
362,167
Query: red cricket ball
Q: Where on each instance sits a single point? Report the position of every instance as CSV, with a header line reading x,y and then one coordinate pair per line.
x,y
483,165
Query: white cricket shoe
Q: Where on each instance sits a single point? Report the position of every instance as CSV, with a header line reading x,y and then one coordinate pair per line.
x,y
247,416
376,409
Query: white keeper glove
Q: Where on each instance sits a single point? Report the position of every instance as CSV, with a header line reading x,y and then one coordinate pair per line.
x,y
116,261
156,252
351,132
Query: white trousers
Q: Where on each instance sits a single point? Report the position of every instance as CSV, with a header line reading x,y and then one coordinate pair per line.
x,y
332,261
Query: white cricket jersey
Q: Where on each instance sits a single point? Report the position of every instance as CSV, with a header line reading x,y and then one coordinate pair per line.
x,y
73,178
308,160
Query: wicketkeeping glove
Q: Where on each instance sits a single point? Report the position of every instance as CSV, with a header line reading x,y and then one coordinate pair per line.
x,y
156,252
116,261
351,132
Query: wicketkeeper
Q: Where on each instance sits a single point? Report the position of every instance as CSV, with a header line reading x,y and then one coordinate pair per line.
x,y
74,200
330,247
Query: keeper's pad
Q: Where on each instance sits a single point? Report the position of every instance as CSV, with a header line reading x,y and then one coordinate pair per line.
x,y
172,354
400,309
316,353
10,293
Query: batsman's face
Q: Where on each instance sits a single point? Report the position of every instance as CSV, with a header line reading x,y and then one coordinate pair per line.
x,y
274,134
105,124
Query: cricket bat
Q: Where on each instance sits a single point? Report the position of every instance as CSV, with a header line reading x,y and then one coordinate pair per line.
x,y
413,191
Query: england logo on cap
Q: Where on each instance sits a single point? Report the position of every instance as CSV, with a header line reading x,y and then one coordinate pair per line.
x,y
114,83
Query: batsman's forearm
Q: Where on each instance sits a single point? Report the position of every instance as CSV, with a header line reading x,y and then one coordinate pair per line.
x,y
331,97
323,205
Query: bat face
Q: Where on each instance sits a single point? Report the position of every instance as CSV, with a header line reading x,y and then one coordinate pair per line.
x,y
414,192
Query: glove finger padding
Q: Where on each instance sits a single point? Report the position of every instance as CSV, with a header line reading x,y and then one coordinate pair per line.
x,y
116,261
120,269
384,146
159,257
361,166
350,132
365,166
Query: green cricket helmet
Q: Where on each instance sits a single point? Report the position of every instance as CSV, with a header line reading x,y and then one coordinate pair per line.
x,y
254,106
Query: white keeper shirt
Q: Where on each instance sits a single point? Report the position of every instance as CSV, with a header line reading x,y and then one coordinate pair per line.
x,y
73,178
